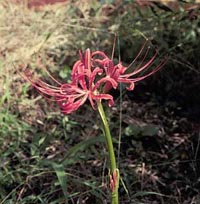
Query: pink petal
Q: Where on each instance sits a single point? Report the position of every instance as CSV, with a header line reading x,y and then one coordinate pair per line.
x,y
105,97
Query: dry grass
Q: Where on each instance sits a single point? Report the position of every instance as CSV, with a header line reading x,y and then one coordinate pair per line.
x,y
53,34
26,32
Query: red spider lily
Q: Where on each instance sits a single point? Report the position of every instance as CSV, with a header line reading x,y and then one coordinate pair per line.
x,y
82,87
91,78
115,74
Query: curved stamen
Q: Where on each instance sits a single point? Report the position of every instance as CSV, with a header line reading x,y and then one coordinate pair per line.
x,y
139,53
142,68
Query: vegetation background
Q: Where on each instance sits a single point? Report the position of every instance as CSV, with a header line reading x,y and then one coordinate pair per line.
x,y
50,158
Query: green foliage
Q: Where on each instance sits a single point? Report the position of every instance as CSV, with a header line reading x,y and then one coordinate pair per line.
x,y
141,130
62,178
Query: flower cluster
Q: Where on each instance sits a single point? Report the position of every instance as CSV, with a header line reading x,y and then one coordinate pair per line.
x,y
92,77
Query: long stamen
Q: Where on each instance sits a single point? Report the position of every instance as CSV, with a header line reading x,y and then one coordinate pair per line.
x,y
45,69
142,68
159,66
113,50
141,50
145,55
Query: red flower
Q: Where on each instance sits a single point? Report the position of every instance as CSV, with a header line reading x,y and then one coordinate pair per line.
x,y
91,78
115,74
82,87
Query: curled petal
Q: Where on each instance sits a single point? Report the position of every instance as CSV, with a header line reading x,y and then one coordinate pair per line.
x,y
96,71
100,53
99,97
107,81
69,106
77,68
109,67
100,63
128,81
121,69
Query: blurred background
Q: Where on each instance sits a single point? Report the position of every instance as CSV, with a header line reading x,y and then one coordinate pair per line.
x,y
50,158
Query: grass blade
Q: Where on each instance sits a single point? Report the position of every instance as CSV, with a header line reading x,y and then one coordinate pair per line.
x,y
62,178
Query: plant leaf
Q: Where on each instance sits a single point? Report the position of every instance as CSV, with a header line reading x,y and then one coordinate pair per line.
x,y
62,178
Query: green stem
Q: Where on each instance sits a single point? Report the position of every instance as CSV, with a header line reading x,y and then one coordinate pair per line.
x,y
113,166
